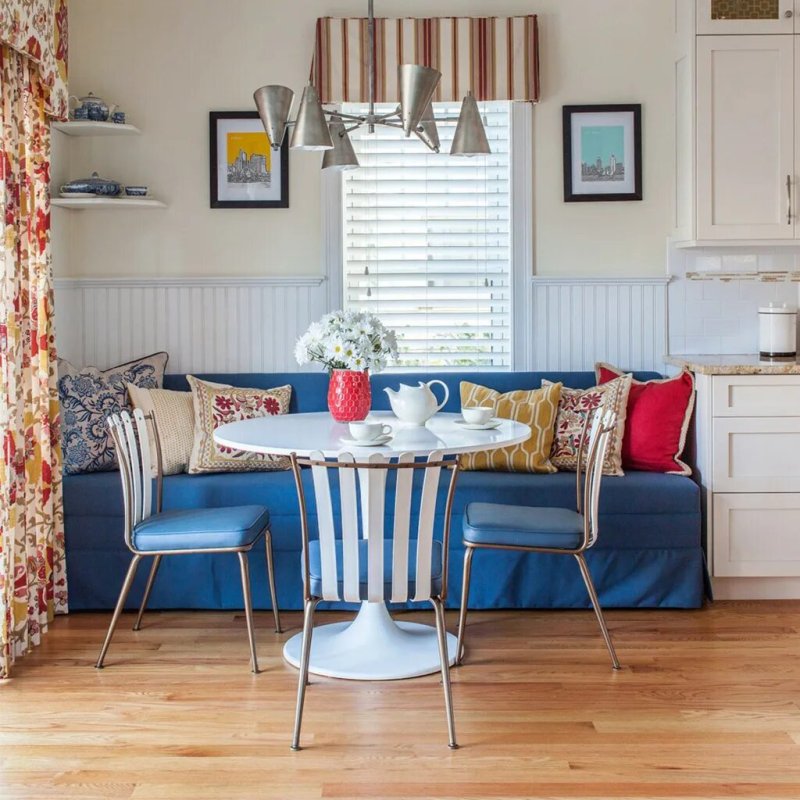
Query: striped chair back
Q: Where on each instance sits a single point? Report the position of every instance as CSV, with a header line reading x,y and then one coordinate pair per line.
x,y
362,488
138,452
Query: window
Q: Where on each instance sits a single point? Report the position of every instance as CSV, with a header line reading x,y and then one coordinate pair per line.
x,y
426,242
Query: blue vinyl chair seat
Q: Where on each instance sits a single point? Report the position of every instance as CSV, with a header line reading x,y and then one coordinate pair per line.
x,y
315,570
201,529
522,526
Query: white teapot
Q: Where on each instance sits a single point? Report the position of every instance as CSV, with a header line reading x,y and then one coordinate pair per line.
x,y
415,405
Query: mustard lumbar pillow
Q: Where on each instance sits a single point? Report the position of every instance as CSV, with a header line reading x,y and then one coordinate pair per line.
x,y
534,407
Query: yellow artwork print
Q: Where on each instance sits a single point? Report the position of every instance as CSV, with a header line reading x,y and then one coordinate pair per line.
x,y
249,158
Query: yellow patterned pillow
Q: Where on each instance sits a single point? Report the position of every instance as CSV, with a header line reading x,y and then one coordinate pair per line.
x,y
535,407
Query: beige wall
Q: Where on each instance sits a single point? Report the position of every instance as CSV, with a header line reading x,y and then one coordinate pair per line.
x,y
168,62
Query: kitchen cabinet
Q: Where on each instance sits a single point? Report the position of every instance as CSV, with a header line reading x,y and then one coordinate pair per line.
x,y
747,16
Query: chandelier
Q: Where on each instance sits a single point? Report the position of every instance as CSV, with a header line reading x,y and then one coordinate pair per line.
x,y
316,128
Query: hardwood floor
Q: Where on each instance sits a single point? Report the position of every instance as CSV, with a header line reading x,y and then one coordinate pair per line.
x,y
707,706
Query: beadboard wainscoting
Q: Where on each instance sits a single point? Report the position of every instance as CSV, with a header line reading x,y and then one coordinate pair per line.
x,y
579,321
205,324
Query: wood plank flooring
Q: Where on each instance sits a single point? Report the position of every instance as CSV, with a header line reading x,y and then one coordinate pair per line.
x,y
707,706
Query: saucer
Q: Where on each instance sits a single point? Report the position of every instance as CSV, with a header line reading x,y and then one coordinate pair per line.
x,y
383,439
493,423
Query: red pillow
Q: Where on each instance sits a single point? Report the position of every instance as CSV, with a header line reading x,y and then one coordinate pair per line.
x,y
658,418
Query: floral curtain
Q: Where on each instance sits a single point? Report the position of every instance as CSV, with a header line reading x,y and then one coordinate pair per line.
x,y
32,570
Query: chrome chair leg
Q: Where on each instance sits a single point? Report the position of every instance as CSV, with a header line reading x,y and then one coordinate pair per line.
x,y
271,577
305,655
248,609
462,616
151,579
587,579
441,632
123,596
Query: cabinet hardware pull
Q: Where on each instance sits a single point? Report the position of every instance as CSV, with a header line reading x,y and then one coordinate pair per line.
x,y
789,198
788,14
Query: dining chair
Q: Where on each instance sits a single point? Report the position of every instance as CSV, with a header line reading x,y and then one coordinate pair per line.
x,y
344,565
149,531
532,529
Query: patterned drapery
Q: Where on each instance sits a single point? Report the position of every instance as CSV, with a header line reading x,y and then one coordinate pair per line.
x,y
38,30
32,572
497,58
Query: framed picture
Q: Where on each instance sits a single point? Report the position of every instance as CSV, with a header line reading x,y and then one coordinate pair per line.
x,y
245,171
602,153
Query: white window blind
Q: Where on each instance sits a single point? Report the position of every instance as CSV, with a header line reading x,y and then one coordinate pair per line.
x,y
427,242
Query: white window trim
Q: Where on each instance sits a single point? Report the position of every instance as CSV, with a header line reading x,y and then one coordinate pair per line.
x,y
521,235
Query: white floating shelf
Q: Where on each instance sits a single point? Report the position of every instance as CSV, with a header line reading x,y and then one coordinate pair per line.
x,y
80,203
88,127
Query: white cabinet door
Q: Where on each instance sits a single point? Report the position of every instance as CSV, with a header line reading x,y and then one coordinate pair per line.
x,y
756,454
756,395
741,16
756,535
745,137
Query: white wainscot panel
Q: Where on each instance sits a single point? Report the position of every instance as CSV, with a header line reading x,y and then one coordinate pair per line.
x,y
578,321
205,324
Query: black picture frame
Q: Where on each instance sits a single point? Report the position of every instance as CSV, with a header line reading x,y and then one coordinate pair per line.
x,y
570,195
213,121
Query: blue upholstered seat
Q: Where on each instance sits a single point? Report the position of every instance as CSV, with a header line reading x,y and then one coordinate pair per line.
x,y
201,529
315,570
522,526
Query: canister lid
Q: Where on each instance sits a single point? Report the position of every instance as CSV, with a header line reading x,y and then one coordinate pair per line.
x,y
777,308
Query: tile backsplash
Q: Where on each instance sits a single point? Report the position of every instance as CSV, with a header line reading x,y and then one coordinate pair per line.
x,y
721,316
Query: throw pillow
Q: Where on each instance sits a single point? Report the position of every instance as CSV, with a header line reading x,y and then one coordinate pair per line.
x,y
88,396
575,405
659,413
215,406
173,413
534,407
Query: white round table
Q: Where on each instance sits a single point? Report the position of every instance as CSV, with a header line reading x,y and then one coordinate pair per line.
x,y
373,646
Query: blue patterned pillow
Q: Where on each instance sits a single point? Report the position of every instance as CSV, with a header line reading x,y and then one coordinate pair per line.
x,y
88,396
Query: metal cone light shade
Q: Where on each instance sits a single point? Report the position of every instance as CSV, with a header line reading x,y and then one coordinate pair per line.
x,y
470,136
310,130
427,130
274,105
417,85
342,156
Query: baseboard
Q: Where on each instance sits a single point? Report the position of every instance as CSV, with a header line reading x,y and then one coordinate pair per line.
x,y
756,588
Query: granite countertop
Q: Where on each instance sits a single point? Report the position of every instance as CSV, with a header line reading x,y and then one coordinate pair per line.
x,y
747,364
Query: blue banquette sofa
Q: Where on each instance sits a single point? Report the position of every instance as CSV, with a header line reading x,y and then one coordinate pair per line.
x,y
649,553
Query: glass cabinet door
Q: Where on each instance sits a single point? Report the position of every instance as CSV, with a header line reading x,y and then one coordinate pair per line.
x,y
745,16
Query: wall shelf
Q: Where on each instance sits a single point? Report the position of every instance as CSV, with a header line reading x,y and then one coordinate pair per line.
x,y
82,203
88,127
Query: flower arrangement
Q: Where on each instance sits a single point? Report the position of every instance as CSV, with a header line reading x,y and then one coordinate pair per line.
x,y
352,340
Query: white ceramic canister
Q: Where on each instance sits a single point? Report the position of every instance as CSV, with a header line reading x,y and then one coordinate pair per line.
x,y
777,330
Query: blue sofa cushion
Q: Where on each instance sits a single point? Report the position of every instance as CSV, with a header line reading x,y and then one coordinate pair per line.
x,y
201,529
315,570
522,526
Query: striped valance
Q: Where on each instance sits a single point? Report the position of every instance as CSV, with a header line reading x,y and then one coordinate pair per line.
x,y
495,57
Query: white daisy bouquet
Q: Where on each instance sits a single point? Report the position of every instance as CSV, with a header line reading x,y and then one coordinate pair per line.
x,y
351,340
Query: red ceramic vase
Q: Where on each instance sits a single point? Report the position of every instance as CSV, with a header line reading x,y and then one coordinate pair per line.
x,y
349,395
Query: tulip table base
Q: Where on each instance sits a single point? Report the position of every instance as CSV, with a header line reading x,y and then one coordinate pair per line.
x,y
373,647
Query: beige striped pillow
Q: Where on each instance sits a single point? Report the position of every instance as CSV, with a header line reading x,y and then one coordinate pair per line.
x,y
535,407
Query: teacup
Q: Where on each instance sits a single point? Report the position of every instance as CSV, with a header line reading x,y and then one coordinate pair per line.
x,y
477,415
368,431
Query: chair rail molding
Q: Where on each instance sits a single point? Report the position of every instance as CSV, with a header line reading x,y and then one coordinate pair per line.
x,y
578,321
206,324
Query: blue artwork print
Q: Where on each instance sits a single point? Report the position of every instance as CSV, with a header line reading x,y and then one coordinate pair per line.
x,y
603,153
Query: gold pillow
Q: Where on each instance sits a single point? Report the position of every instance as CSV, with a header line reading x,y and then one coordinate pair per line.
x,y
215,406
534,407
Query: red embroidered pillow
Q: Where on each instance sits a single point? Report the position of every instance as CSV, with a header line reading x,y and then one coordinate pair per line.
x,y
659,413
216,405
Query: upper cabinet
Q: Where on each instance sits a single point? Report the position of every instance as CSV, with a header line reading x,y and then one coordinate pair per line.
x,y
745,137
737,118
747,16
